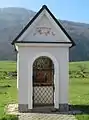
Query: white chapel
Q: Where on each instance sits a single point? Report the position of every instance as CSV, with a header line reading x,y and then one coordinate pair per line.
x,y
43,63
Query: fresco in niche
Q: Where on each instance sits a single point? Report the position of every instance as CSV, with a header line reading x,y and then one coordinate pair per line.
x,y
44,31
43,71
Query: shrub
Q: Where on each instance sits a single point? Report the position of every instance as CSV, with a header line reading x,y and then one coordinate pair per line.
x,y
82,72
13,74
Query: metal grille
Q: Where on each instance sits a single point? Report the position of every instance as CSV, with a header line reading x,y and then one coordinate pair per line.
x,y
43,95
43,72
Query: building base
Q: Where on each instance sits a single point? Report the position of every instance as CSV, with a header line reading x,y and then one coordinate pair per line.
x,y
63,107
23,107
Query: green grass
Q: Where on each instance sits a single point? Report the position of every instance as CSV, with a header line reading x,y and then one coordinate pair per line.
x,y
79,96
9,117
75,65
7,94
7,66
78,90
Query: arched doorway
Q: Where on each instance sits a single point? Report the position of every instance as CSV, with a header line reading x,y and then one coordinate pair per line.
x,y
43,81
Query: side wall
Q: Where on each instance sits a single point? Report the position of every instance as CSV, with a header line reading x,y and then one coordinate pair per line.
x,y
27,55
22,78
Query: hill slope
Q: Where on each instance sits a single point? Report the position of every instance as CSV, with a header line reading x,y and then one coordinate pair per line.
x,y
12,20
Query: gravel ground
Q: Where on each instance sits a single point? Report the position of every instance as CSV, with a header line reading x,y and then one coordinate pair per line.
x,y
13,109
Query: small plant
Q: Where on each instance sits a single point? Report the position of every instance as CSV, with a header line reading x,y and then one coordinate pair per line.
x,y
9,117
5,86
13,74
82,70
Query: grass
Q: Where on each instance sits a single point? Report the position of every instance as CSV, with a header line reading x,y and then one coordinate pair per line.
x,y
7,66
7,94
79,96
9,117
78,90
8,90
75,65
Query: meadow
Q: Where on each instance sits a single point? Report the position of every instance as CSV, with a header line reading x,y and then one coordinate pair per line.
x,y
78,87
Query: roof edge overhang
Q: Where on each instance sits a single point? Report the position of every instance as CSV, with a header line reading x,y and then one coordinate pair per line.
x,y
43,44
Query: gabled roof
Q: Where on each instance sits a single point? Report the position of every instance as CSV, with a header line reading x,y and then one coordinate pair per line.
x,y
33,19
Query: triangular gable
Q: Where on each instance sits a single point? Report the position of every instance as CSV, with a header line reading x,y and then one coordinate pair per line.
x,y
44,7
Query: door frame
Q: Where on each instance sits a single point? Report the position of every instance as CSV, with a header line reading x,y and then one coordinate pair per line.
x,y
56,78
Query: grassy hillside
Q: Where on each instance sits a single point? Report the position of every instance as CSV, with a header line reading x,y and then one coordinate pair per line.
x,y
78,88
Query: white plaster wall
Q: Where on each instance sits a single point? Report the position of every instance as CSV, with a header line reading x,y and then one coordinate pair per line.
x,y
26,57
23,78
64,77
